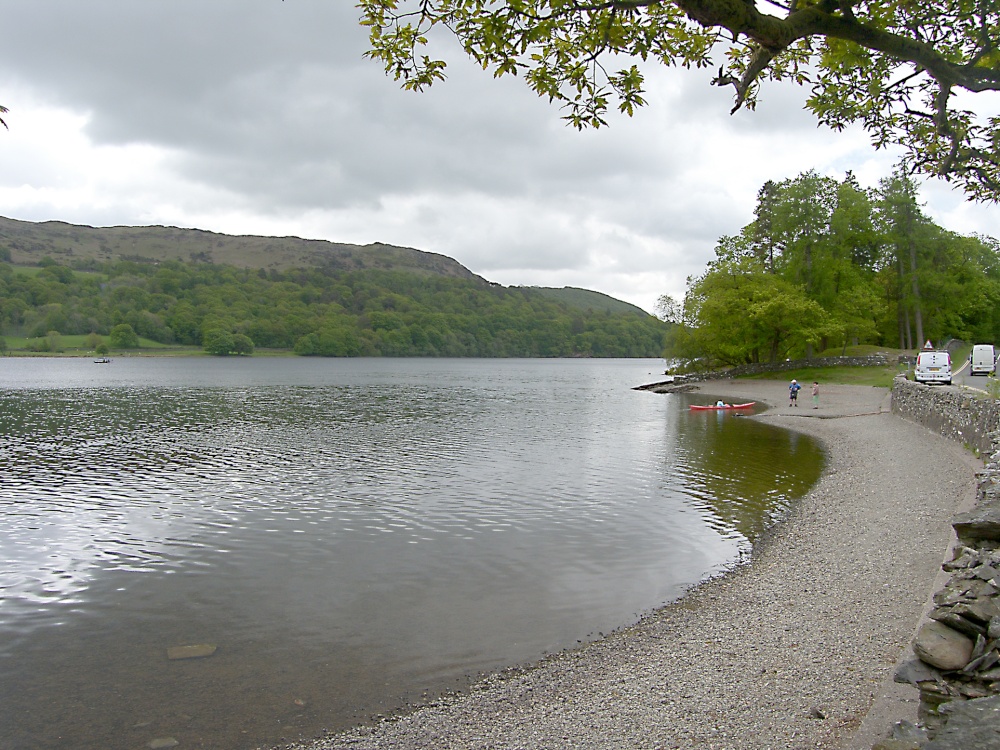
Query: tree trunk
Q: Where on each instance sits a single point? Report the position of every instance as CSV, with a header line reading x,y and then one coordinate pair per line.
x,y
902,314
918,318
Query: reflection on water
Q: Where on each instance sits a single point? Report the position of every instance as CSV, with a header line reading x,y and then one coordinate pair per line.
x,y
349,534
741,472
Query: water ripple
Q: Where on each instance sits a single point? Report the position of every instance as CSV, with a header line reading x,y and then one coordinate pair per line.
x,y
413,525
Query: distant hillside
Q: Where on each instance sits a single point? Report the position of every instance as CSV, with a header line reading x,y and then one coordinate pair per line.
x,y
585,299
70,244
227,294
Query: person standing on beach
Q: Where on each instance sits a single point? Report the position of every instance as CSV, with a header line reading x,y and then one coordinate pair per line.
x,y
815,395
793,393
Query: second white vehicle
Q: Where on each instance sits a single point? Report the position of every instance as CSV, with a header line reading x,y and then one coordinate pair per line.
x,y
983,360
933,367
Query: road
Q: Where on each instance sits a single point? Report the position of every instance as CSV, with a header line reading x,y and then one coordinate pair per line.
x,y
961,376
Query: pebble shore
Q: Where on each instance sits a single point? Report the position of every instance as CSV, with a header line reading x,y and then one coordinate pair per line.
x,y
795,649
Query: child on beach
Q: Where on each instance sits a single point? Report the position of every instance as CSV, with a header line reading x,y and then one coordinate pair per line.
x,y
815,395
793,393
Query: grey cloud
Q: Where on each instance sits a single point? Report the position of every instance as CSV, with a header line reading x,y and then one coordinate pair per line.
x,y
267,109
277,101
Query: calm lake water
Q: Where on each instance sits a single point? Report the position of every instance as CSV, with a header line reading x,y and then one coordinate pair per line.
x,y
350,534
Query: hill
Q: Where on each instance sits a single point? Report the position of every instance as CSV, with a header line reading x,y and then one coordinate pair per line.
x,y
75,245
585,299
184,287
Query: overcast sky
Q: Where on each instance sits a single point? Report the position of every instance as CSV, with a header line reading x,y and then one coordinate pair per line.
x,y
262,117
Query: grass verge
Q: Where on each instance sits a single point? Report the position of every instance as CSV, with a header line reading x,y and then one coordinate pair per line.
x,y
880,377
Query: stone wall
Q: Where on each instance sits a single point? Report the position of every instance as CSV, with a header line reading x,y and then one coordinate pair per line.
x,y
956,662
956,413
872,360
759,368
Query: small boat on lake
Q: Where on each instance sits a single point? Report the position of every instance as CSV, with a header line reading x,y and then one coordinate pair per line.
x,y
102,361
724,407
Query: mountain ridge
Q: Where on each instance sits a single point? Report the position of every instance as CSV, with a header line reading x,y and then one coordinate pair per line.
x,y
28,243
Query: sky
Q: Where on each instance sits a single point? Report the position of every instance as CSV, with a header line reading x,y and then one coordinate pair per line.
x,y
262,117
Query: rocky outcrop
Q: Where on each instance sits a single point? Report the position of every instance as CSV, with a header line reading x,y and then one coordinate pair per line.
x,y
957,651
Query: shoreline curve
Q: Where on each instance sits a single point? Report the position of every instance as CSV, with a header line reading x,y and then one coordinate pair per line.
x,y
795,649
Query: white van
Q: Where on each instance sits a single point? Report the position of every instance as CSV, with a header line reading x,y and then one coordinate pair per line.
x,y
933,367
983,360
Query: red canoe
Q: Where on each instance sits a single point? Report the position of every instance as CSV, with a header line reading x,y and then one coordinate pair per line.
x,y
713,407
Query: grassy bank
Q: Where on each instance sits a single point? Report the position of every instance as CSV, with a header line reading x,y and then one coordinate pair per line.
x,y
874,376
84,346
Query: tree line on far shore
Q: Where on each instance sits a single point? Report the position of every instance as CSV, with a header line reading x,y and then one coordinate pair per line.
x,y
310,311
826,264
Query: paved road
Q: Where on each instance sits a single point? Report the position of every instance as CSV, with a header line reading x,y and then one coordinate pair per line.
x,y
961,376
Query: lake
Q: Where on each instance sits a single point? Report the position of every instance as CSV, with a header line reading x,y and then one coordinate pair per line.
x,y
349,534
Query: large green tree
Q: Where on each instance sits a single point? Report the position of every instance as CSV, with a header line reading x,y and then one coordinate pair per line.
x,y
737,312
907,231
899,68
832,264
123,337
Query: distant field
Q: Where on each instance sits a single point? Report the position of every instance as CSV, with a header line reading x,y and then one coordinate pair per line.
x,y
79,345
35,270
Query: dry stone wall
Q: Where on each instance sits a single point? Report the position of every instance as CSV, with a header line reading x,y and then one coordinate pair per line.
x,y
956,413
956,653
759,368
872,360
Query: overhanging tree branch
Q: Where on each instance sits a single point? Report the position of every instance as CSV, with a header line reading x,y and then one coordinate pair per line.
x,y
866,60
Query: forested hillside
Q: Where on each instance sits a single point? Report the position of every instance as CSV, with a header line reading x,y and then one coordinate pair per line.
x,y
321,310
585,299
827,264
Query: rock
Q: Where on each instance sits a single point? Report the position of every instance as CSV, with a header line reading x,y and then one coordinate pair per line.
x,y
970,690
963,557
969,724
994,629
982,609
982,663
915,671
981,523
990,675
909,732
955,621
985,572
197,651
942,647
892,744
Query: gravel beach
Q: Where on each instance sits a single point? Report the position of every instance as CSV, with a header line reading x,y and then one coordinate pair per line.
x,y
793,650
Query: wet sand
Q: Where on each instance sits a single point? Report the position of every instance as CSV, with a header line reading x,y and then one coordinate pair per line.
x,y
794,650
